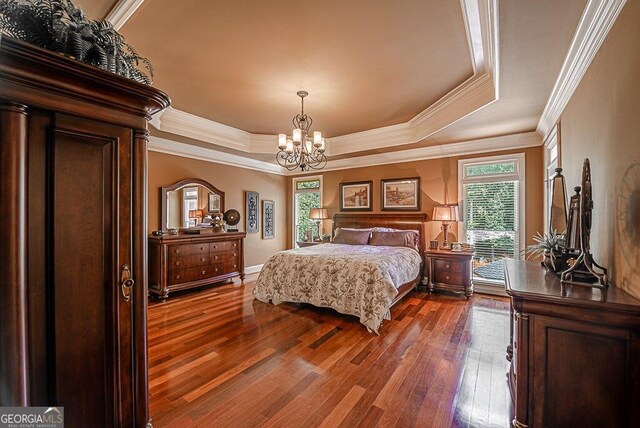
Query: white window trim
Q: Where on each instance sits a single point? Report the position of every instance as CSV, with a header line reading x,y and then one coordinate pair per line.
x,y
550,144
295,180
519,175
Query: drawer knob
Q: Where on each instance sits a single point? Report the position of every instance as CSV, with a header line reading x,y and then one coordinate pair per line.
x,y
235,245
235,265
215,247
202,259
201,248
177,276
204,272
234,254
177,263
177,251
515,344
216,257
448,266
216,270
447,277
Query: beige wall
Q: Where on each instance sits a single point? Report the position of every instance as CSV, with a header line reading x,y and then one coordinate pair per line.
x,y
439,183
601,122
167,169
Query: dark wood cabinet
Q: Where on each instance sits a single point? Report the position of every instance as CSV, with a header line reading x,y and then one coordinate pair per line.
x,y
73,242
180,262
575,360
449,270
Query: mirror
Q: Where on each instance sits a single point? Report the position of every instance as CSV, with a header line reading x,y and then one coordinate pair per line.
x,y
189,203
558,210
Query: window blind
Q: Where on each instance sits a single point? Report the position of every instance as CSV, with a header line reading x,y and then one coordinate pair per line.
x,y
491,223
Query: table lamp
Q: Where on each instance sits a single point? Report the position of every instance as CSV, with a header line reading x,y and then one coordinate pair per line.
x,y
446,214
318,214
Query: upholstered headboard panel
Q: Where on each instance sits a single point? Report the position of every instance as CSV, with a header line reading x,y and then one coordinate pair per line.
x,y
396,221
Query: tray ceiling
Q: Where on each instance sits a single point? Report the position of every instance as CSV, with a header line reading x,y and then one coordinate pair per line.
x,y
366,64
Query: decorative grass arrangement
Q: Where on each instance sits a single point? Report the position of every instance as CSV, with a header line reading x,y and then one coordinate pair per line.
x,y
59,26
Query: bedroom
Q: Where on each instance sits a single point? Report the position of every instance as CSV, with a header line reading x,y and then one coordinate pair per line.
x,y
426,107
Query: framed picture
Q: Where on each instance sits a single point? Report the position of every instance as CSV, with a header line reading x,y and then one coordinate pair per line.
x,y
268,219
400,194
251,201
214,203
356,196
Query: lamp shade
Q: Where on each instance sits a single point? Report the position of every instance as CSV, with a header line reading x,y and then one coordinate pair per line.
x,y
446,213
318,213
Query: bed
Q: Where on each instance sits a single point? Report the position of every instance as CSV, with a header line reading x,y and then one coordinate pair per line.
x,y
360,280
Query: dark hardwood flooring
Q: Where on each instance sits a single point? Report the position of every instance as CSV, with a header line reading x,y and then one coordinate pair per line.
x,y
219,358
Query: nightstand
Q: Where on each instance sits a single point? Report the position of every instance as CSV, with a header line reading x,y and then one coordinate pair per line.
x,y
308,243
449,270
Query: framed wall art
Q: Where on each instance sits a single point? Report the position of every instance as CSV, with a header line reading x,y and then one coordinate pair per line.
x,y
251,201
268,219
400,194
356,196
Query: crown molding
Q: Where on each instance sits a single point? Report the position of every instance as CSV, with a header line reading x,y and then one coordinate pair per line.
x,y
122,11
595,23
481,23
485,145
162,145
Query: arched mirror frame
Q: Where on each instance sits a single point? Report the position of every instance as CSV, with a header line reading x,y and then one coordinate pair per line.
x,y
179,185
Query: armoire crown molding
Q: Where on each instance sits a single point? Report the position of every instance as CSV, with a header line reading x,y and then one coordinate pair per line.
x,y
595,23
481,89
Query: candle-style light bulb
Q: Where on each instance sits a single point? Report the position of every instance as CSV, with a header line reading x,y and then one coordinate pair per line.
x,y
282,141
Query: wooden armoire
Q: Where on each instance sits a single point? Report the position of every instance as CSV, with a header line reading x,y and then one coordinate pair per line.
x,y
73,250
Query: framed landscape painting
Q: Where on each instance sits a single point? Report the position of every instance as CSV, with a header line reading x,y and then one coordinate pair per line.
x,y
356,196
400,194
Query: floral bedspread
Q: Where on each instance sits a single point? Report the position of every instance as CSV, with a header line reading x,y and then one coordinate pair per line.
x,y
358,280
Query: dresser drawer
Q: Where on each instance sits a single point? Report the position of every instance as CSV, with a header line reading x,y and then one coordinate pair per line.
x,y
448,277
448,266
194,274
216,247
188,249
223,257
224,268
182,262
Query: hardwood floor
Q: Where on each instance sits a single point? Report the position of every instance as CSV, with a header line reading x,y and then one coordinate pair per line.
x,y
219,358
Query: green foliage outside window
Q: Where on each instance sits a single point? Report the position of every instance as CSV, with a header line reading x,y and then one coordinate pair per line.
x,y
490,169
489,206
306,201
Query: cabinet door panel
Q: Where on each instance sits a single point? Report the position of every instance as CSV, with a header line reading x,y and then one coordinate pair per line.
x,y
91,239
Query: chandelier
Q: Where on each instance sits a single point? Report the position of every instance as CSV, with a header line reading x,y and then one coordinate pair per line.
x,y
303,150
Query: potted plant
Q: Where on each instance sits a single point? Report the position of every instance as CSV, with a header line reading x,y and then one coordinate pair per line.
x,y
551,247
59,26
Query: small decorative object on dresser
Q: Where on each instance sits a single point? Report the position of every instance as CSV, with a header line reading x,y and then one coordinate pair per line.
x,y
268,219
356,196
231,218
449,270
400,194
252,200
180,262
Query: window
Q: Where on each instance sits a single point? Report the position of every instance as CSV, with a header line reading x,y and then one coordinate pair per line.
x,y
189,203
307,194
492,192
551,161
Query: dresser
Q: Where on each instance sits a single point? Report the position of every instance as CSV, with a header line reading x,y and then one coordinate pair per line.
x,y
575,360
449,270
73,255
180,262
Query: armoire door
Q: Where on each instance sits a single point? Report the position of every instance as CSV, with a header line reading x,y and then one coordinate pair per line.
x,y
89,275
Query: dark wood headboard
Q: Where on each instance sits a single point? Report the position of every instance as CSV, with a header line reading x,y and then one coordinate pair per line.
x,y
396,221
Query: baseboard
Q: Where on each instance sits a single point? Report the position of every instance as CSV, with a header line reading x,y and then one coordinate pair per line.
x,y
253,269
